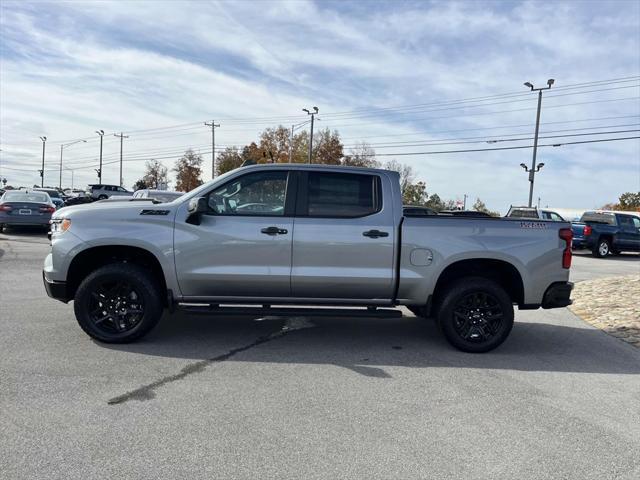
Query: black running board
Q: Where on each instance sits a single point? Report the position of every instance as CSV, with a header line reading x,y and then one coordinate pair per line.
x,y
291,311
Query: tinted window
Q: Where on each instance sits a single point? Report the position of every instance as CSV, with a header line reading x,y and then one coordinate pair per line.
x,y
260,193
597,217
636,222
342,195
120,189
626,222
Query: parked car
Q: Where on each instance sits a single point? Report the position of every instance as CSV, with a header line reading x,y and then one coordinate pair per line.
x,y
102,191
417,211
290,234
78,199
25,207
607,232
534,212
162,196
54,194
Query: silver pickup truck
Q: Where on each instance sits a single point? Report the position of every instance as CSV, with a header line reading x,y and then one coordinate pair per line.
x,y
284,236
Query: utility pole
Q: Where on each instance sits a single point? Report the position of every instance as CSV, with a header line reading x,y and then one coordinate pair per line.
x,y
213,126
313,114
44,141
532,171
291,142
121,137
62,145
101,133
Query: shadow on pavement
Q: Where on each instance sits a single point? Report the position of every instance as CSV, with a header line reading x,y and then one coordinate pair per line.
x,y
366,346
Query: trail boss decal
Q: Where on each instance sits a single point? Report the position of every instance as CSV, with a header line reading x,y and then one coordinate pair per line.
x,y
541,225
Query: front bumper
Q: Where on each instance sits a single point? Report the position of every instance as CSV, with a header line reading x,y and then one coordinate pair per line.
x,y
57,290
557,295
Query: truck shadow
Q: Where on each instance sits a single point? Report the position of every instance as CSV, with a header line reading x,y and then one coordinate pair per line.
x,y
367,346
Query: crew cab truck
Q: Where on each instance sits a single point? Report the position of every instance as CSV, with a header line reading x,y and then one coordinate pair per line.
x,y
284,236
607,232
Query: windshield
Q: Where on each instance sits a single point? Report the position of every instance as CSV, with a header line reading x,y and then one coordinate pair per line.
x,y
165,196
51,193
37,197
597,217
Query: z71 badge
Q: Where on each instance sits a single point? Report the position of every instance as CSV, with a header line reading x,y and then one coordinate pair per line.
x,y
542,225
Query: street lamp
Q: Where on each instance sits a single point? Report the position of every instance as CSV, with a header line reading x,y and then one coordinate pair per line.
x,y
532,171
101,133
62,145
313,114
44,141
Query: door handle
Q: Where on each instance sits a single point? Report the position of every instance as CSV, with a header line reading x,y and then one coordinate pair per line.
x,y
375,234
274,231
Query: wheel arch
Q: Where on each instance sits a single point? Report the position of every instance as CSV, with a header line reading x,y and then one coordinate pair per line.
x,y
502,272
93,258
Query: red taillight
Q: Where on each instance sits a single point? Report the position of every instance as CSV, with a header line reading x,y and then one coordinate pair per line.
x,y
5,208
586,231
567,235
47,209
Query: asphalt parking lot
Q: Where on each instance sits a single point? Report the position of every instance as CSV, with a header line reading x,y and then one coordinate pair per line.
x,y
309,398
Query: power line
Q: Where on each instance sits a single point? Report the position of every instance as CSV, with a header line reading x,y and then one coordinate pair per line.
x,y
504,148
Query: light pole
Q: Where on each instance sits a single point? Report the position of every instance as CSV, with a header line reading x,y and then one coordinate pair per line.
x,y
313,114
44,141
532,171
122,136
62,145
293,129
101,133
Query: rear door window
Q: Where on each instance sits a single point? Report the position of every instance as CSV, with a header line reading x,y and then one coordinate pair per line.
x,y
346,195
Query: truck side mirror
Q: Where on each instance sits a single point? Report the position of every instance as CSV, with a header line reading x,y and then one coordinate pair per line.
x,y
197,206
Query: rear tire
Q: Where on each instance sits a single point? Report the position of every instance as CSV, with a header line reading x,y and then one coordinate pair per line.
x,y
118,303
602,248
475,314
1,228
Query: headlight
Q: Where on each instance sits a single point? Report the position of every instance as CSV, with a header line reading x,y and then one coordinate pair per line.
x,y
60,225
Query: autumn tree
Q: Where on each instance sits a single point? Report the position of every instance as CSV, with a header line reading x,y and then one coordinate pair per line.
x,y
327,147
140,185
629,201
415,194
479,206
275,143
188,170
253,153
407,176
228,160
361,155
155,175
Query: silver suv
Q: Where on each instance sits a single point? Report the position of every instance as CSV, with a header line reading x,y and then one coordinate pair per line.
x,y
101,191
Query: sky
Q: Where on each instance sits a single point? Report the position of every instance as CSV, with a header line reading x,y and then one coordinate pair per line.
x,y
412,79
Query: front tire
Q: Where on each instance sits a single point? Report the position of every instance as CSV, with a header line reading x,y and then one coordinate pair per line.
x,y
118,303
475,314
602,248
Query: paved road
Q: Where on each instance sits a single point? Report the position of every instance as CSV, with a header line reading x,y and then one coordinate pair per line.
x,y
331,398
585,266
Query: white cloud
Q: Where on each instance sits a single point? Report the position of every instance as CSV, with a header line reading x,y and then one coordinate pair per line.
x,y
68,69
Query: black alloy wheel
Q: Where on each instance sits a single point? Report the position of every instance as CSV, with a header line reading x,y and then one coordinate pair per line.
x,y
115,306
118,303
475,314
